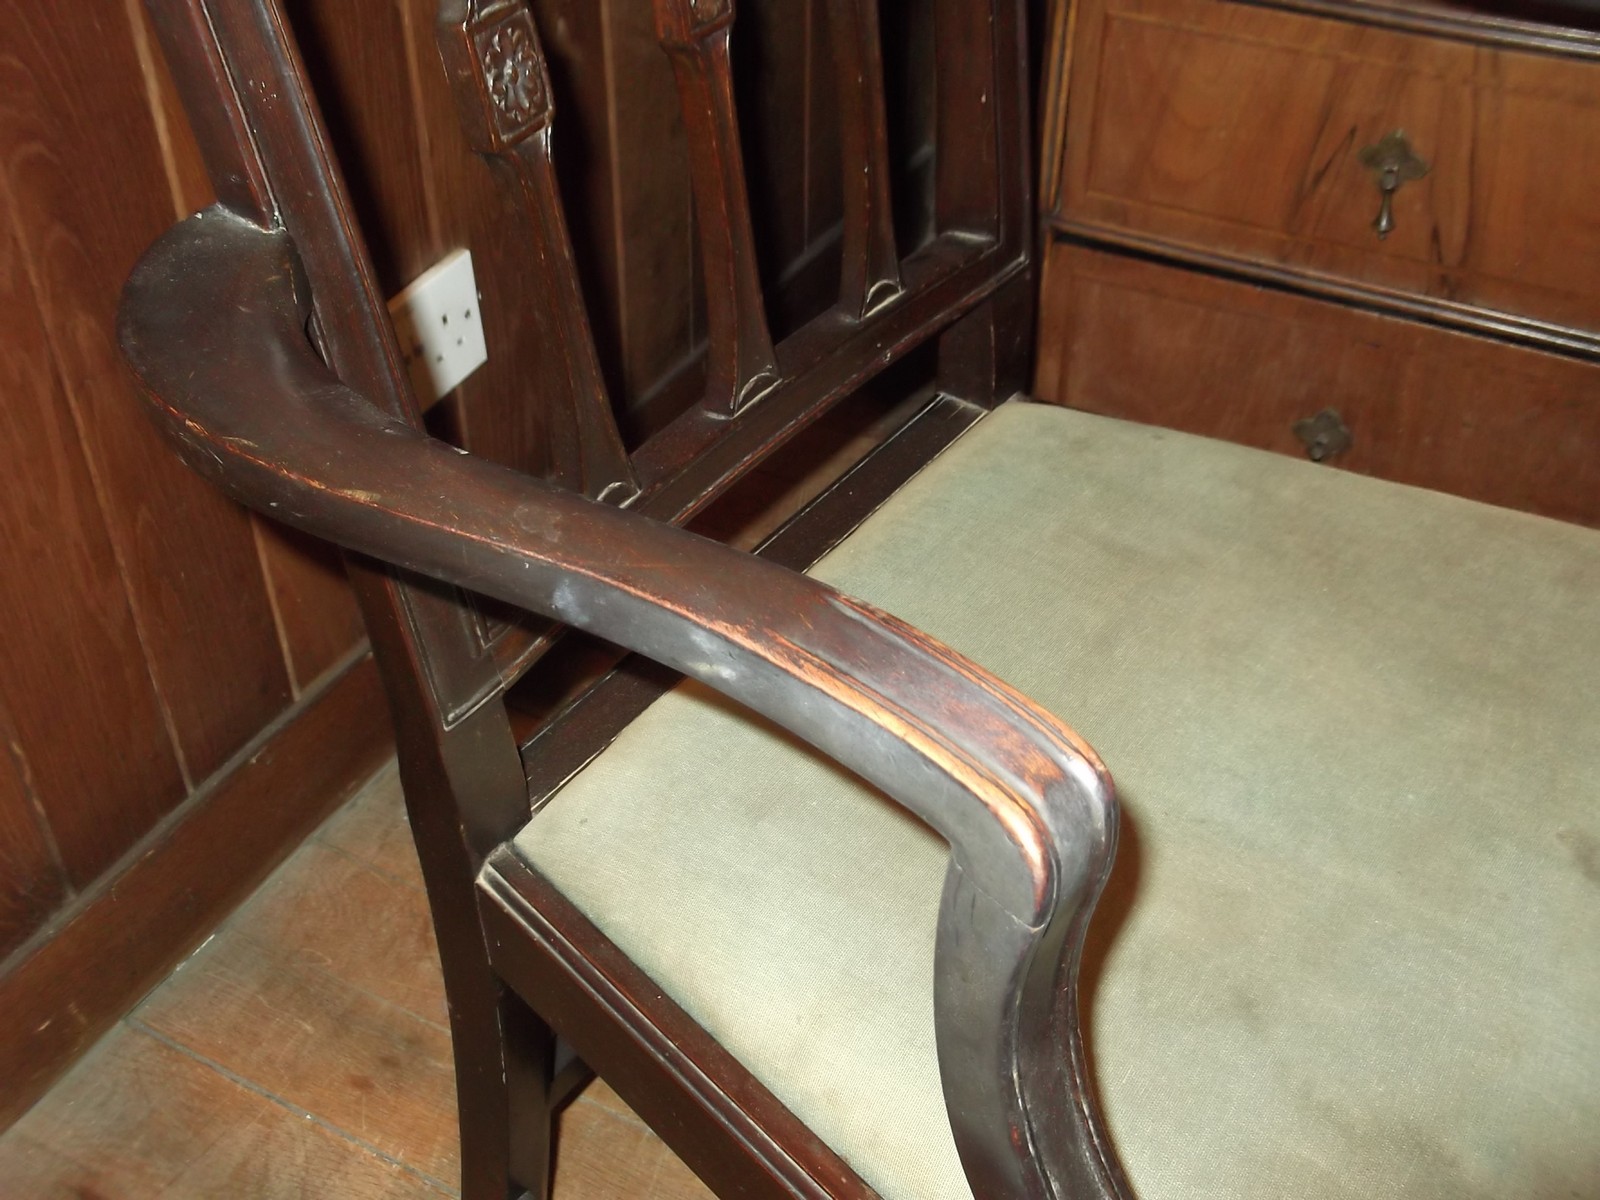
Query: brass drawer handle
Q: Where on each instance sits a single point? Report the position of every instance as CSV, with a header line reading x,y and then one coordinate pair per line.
x,y
1392,162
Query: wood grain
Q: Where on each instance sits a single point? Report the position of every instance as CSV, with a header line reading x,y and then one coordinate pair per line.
x,y
69,631
83,166
32,880
355,55
662,327
311,600
322,1043
142,1117
1426,406
121,940
311,597
1239,128
322,912
372,829
150,1113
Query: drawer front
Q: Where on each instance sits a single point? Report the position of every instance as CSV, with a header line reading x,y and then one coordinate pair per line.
x,y
1425,406
1223,127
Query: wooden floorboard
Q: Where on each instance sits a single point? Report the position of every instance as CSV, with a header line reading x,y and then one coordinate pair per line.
x,y
303,1051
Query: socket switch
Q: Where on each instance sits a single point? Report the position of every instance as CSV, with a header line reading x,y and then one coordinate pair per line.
x,y
440,328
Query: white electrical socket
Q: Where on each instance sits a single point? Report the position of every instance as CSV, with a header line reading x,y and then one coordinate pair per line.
x,y
440,328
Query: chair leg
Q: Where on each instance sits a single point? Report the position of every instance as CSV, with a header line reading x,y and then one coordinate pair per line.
x,y
504,1058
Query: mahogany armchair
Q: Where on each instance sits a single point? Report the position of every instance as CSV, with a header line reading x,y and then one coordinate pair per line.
x,y
1351,942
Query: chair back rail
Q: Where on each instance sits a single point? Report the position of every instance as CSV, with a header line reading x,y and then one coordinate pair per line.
x,y
268,151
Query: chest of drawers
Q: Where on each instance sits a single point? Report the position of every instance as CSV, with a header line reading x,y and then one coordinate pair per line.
x,y
1214,177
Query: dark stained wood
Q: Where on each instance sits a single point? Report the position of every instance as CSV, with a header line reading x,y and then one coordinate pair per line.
x,y
772,53
503,91
658,269
1426,406
871,272
356,57
83,218
68,990
967,187
1027,810
741,367
69,629
32,881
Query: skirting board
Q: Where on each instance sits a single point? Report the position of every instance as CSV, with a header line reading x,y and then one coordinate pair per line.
x,y
58,995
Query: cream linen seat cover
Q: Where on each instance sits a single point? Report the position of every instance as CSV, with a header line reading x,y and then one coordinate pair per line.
x,y
1352,943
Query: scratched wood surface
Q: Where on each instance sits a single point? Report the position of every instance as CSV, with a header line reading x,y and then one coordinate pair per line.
x,y
303,1051
127,579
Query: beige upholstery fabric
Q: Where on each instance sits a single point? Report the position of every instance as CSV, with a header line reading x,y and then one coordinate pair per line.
x,y
1352,943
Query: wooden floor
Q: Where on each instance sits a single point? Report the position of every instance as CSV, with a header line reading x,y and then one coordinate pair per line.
x,y
303,1051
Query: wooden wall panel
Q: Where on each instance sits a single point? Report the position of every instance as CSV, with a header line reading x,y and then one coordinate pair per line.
x,y
32,882
318,621
89,728
356,54
83,166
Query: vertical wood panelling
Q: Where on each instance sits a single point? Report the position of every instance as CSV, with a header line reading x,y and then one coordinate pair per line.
x,y
318,621
355,53
74,679
84,170
311,596
32,882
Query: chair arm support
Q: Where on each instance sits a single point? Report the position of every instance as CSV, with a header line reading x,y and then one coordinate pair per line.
x,y
213,322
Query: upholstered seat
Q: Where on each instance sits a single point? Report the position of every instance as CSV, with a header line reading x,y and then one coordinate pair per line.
x,y
1352,943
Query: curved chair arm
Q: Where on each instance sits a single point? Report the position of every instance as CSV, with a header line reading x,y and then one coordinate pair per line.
x,y
213,322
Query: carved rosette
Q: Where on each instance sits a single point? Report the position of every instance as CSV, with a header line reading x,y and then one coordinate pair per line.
x,y
514,76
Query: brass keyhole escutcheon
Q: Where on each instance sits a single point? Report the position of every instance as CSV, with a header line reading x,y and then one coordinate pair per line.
x,y
1392,162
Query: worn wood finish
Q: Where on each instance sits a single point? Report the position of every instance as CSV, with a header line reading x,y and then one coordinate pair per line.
x,y
306,586
1426,406
66,990
1238,129
1027,809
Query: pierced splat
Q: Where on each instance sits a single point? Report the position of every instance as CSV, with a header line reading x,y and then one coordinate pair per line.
x,y
497,68
870,274
742,366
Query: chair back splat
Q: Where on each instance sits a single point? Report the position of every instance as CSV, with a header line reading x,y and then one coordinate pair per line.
x,y
271,294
